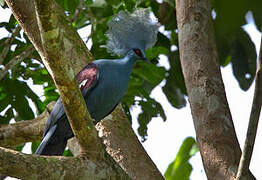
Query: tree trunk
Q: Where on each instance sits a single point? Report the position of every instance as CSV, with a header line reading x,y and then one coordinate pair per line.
x,y
140,165
215,131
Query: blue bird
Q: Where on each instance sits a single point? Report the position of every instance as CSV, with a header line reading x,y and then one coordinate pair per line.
x,y
104,82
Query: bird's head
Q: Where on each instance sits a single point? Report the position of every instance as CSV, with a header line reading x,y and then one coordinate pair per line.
x,y
134,32
138,54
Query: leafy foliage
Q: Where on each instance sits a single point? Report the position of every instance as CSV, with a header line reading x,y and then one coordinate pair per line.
x,y
233,45
180,167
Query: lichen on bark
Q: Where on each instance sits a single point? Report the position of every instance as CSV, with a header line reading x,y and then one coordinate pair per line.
x,y
215,131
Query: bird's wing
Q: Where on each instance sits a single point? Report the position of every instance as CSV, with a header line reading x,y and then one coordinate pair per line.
x,y
87,79
57,113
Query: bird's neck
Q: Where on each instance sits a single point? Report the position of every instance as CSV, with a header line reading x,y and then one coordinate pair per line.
x,y
127,62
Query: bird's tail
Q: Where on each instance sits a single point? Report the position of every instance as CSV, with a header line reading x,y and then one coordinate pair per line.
x,y
50,145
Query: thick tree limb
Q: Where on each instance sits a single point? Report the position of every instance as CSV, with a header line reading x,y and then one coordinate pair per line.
x,y
14,61
253,122
114,130
57,50
24,12
26,166
123,145
12,135
215,131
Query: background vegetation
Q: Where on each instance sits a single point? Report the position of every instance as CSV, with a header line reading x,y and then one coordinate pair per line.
x,y
19,62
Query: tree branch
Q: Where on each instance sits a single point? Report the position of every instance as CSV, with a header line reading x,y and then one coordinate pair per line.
x,y
12,135
78,10
57,51
123,145
116,133
25,14
253,122
214,127
26,166
16,60
8,43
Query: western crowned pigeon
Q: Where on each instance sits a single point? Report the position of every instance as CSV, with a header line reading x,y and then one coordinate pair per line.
x,y
104,82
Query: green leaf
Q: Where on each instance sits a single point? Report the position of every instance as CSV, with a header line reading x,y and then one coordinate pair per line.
x,y
255,8
180,169
82,20
19,148
258,17
243,56
67,153
156,51
227,20
50,94
129,5
2,3
7,116
233,44
30,94
61,4
99,3
150,109
34,146
143,79
175,89
162,41
22,107
71,5
4,100
16,97
167,16
149,72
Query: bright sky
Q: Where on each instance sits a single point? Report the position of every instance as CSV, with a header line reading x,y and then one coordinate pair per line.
x,y
165,138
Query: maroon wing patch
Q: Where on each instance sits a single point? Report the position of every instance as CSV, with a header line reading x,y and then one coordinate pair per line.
x,y
88,76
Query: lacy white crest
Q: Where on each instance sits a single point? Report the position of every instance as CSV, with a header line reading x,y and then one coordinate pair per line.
x,y
131,30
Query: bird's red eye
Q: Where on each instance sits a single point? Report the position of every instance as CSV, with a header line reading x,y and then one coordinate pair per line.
x,y
138,52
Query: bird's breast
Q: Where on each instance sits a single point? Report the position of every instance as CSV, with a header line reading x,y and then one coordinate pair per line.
x,y
110,89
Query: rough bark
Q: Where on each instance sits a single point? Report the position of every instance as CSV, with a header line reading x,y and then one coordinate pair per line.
x,y
12,135
120,141
215,131
25,14
57,50
123,145
26,166
253,122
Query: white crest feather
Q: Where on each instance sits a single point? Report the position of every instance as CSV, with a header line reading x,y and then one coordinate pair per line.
x,y
131,30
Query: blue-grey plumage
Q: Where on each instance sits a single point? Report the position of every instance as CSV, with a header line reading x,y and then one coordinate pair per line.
x,y
103,83
112,85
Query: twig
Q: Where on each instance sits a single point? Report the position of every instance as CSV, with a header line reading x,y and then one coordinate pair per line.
x,y
14,61
8,43
244,163
78,11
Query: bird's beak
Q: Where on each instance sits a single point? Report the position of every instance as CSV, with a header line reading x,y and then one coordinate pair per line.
x,y
144,57
146,60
